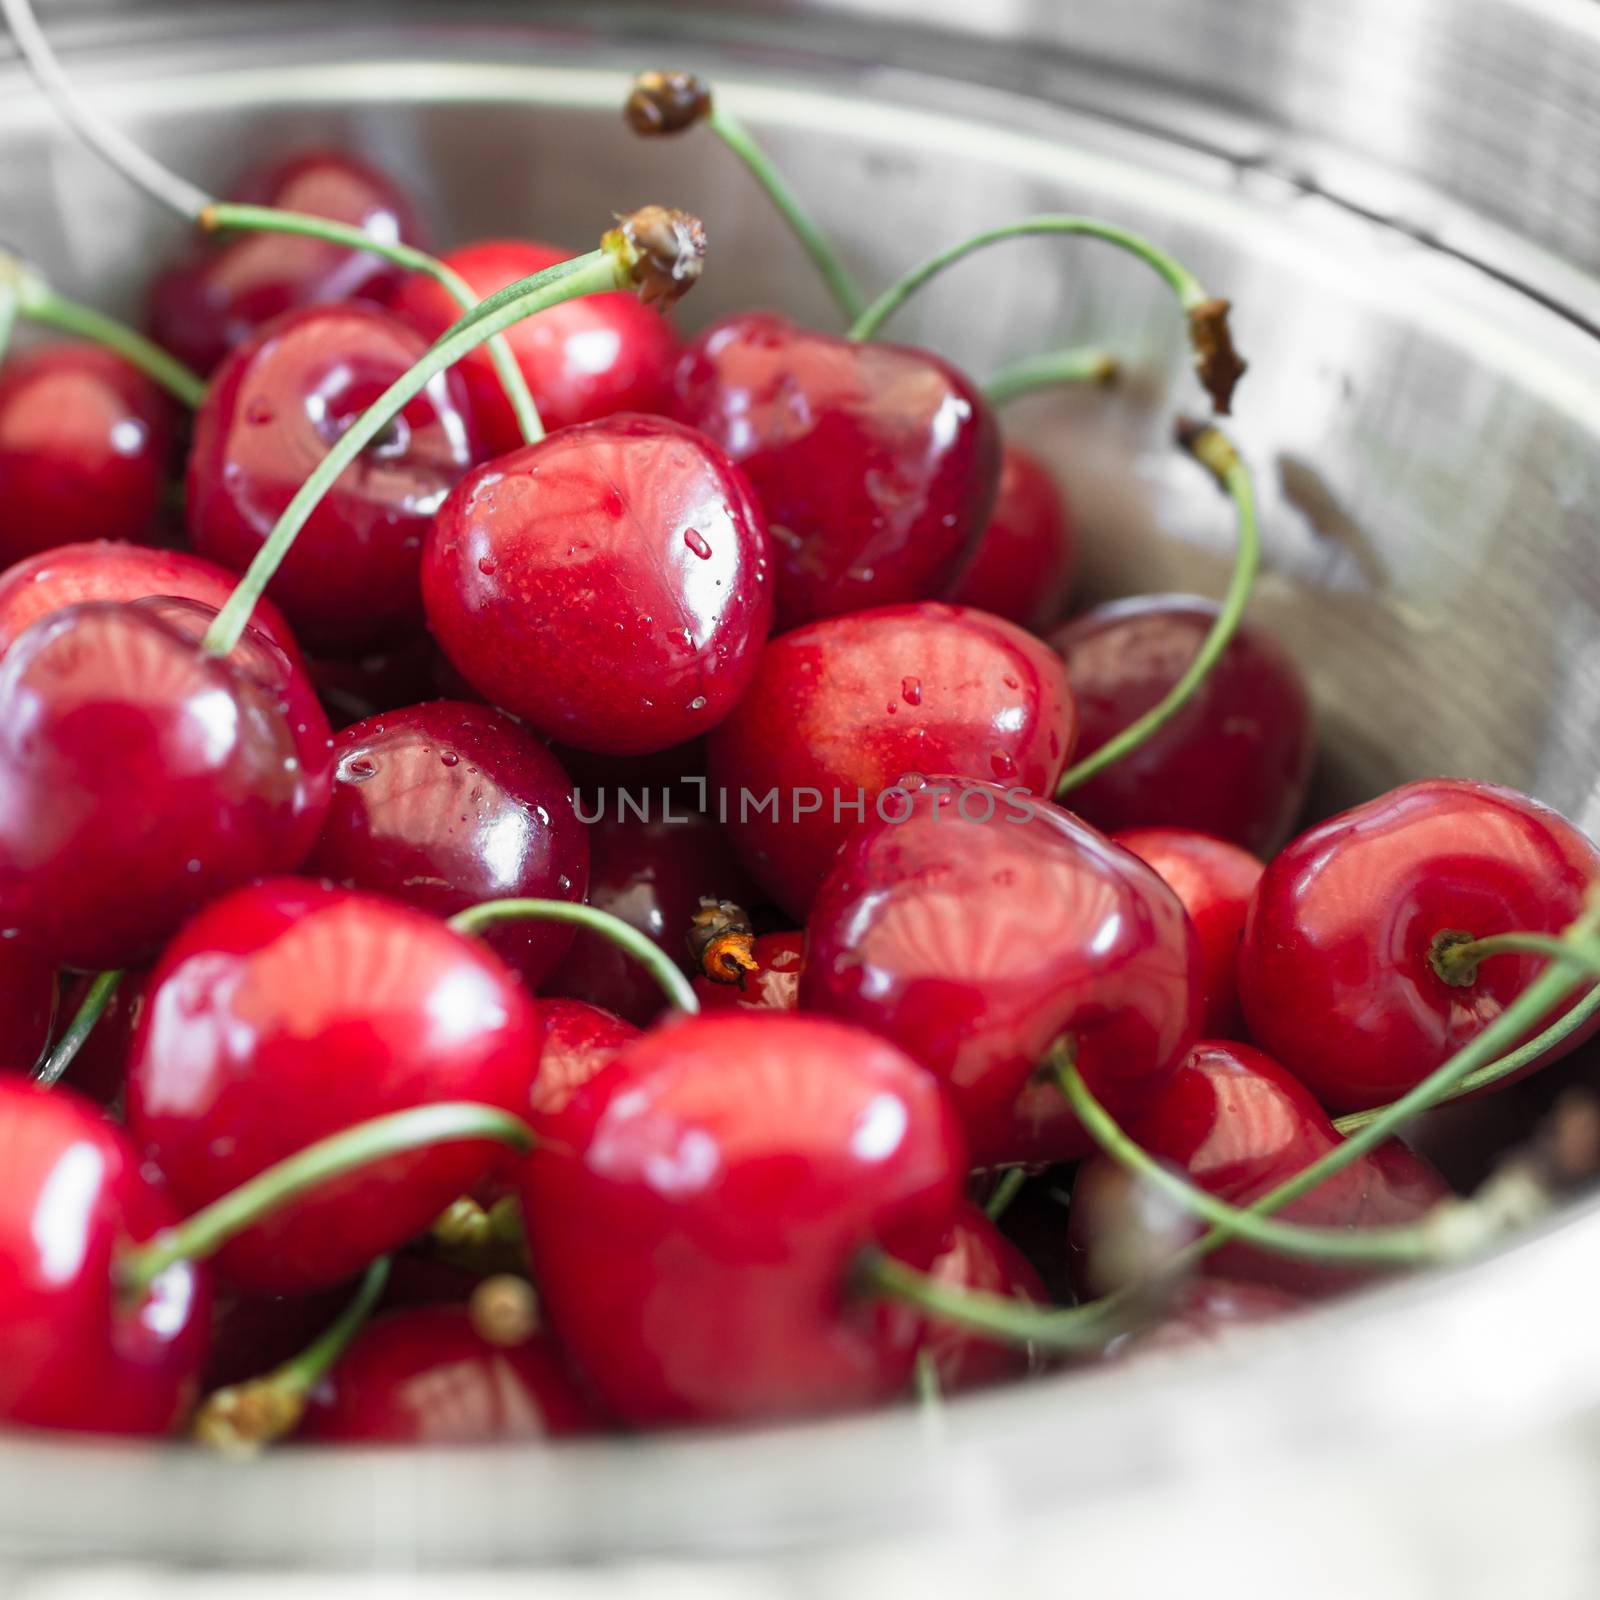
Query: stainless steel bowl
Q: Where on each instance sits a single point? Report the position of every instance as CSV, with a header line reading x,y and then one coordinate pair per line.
x,y
1402,198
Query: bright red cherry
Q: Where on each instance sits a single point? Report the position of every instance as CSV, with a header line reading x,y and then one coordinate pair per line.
x,y
85,443
841,710
1028,553
693,1247
72,1355
274,410
1234,762
579,1041
982,928
1205,1311
586,359
773,986
222,291
1336,973
608,585
425,1376
289,1011
877,463
447,804
27,1006
1237,1124
140,777
653,874
1214,880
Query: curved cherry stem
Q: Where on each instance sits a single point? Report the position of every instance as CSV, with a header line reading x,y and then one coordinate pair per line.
x,y
1060,369
628,939
1213,450
50,1070
1215,359
1005,1191
209,1229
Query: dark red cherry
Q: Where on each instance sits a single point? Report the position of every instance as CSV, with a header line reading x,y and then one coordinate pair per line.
x,y
586,359
877,463
27,1006
289,1011
1205,1311
1214,880
85,443
608,585
652,873
981,929
579,1041
693,1246
1335,971
426,1376
72,1354
773,986
1237,1124
222,291
411,672
1027,555
841,710
1234,762
978,1257
274,410
252,1334
447,804
140,778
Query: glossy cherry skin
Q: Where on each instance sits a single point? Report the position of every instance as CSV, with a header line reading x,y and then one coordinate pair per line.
x,y
579,1042
877,463
71,1356
694,1246
1214,880
1235,1123
973,944
222,291
652,874
585,359
1334,971
274,410
289,1011
1205,1311
841,710
1235,762
85,443
773,986
446,805
140,778
1027,555
608,585
425,1376
27,1006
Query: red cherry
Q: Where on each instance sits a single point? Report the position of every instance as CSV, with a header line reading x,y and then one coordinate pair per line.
x,y
274,410
100,1068
1234,762
652,874
983,927
608,585
221,292
579,1041
85,443
139,777
71,1354
425,1376
1205,1311
773,986
1334,972
27,1006
1214,880
1237,1124
289,1011
841,710
586,359
877,463
445,805
694,1245
1028,553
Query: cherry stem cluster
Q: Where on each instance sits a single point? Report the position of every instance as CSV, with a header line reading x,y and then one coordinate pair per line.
x,y
51,1069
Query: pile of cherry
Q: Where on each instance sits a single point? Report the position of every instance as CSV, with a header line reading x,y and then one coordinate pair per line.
x,y
972,1070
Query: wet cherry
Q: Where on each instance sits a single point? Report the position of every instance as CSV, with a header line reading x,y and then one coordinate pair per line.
x,y
579,1040
773,986
27,1006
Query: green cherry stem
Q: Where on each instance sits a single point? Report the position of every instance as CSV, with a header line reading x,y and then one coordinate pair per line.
x,y
649,955
1213,450
50,1070
209,1229
1059,369
8,315
1005,1191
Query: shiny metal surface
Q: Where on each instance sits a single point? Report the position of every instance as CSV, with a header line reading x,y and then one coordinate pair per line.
x,y
1424,415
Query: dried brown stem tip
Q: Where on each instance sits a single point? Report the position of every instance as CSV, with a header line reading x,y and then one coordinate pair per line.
x,y
1220,366
662,250
721,941
1209,445
666,102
